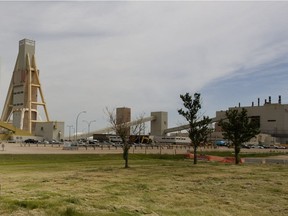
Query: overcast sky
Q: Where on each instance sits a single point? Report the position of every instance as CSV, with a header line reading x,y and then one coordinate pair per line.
x,y
143,55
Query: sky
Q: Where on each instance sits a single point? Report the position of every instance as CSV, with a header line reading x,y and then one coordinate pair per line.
x,y
143,55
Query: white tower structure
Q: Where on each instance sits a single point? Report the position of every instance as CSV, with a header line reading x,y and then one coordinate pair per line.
x,y
22,103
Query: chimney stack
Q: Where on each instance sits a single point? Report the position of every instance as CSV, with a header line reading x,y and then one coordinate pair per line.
x,y
279,100
258,101
269,99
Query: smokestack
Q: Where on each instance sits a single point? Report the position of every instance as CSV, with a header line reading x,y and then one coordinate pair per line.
x,y
239,105
258,101
269,99
252,104
279,100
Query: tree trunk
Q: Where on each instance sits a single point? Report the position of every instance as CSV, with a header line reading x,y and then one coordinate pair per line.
x,y
195,154
126,162
125,156
237,151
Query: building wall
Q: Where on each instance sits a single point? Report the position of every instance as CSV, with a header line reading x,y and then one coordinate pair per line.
x,y
50,130
26,47
273,119
159,124
123,115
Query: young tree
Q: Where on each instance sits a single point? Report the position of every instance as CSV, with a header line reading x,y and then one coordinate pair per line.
x,y
198,128
238,128
123,130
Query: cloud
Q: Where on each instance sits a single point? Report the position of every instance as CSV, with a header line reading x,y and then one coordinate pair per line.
x,y
144,54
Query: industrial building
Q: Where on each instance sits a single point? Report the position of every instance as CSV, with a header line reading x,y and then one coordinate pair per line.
x,y
123,115
158,123
271,117
25,102
21,112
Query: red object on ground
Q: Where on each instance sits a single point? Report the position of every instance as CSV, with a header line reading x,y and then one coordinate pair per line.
x,y
213,158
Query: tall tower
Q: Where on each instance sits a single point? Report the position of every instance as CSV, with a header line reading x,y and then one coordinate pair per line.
x,y
159,124
22,98
123,115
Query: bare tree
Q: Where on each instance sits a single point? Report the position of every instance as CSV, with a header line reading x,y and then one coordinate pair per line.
x,y
139,127
124,129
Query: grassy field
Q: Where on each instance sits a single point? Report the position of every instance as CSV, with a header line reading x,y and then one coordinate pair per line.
x,y
86,185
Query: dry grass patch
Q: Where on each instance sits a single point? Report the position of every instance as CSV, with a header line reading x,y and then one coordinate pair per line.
x,y
152,186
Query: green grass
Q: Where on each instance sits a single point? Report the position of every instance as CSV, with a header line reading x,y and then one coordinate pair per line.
x,y
86,185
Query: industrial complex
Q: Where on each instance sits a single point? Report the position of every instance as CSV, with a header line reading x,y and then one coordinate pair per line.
x,y
25,102
272,119
20,116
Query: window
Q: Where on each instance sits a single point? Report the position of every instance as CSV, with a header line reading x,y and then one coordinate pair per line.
x,y
256,120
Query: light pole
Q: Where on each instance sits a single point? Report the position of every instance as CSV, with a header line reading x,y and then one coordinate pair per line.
x,y
77,123
89,123
70,126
